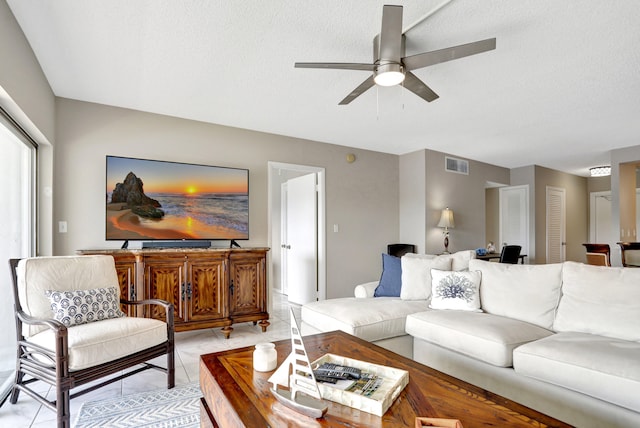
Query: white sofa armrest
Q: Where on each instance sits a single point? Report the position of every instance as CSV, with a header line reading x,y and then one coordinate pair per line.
x,y
365,290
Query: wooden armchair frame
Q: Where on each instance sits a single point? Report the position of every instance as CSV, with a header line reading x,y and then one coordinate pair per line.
x,y
628,246
55,371
598,254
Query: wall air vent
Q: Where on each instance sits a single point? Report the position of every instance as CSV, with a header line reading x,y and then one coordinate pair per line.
x,y
459,166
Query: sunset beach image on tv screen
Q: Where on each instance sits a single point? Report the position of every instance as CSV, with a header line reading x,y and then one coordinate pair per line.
x,y
150,199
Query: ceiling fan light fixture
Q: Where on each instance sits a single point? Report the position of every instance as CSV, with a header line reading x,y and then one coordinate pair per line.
x,y
389,74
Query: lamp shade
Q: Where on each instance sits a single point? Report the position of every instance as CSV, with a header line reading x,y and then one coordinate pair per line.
x,y
446,219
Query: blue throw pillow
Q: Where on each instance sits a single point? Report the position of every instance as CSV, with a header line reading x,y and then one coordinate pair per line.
x,y
391,278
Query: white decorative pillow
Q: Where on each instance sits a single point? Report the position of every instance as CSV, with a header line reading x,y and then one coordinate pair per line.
x,y
85,306
458,290
416,275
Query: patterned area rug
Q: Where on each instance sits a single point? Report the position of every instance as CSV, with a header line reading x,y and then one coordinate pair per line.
x,y
177,407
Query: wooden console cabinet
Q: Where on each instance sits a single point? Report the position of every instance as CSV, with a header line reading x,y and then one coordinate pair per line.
x,y
208,287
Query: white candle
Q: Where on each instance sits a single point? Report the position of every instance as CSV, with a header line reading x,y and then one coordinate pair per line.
x,y
265,357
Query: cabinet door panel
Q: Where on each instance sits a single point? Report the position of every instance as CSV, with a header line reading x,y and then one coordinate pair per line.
x,y
165,280
126,277
206,280
247,279
126,272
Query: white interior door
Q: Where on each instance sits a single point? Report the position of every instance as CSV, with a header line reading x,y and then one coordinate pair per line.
x,y
514,217
283,239
637,213
600,223
556,225
301,247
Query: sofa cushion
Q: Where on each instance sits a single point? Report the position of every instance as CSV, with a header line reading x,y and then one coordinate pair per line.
x,y
369,319
99,342
391,278
416,275
460,260
455,290
527,293
486,337
600,300
84,306
598,366
37,274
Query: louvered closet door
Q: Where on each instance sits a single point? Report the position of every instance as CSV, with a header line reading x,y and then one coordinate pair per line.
x,y
556,225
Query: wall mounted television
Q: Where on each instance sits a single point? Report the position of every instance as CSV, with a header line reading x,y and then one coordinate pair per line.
x,y
154,200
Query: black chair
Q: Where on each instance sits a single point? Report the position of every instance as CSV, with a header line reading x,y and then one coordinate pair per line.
x,y
399,250
510,254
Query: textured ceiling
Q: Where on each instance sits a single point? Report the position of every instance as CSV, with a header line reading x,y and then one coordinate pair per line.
x,y
561,89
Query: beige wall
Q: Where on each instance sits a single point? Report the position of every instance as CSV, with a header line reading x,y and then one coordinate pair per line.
x,y
361,197
413,198
619,158
577,207
492,216
464,194
598,184
627,198
22,78
26,95
526,176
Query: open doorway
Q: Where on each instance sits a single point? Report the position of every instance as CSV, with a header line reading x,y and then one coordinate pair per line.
x,y
601,221
278,175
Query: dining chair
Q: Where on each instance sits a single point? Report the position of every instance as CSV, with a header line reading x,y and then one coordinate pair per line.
x,y
630,252
510,254
71,332
399,250
598,254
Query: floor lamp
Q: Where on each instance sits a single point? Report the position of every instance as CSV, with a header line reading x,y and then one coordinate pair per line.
x,y
446,222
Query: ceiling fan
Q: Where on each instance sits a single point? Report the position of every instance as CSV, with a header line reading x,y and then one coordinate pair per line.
x,y
390,67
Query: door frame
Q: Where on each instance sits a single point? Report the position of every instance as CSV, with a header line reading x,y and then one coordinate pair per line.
x,y
592,210
526,217
274,170
283,237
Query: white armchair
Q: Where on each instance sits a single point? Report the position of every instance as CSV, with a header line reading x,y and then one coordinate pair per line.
x,y
70,329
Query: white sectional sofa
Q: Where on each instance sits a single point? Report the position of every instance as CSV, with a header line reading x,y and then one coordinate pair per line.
x,y
563,339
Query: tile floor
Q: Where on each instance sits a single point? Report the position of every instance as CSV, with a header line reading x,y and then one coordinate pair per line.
x,y
28,413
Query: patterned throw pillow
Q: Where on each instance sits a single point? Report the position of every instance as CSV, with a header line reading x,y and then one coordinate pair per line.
x,y
455,290
84,306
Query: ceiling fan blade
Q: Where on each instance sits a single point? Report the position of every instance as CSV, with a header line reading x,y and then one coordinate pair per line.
x,y
418,87
443,55
391,34
335,65
358,91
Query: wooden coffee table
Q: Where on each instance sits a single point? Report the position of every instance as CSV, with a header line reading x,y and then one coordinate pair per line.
x,y
237,396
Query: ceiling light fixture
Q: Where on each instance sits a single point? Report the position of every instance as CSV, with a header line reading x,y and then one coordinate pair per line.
x,y
600,171
389,74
